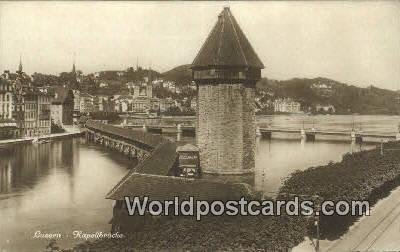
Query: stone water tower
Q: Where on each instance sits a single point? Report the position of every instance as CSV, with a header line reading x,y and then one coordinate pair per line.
x,y
226,70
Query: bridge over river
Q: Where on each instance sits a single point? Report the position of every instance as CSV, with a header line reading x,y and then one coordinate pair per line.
x,y
268,132
311,133
135,144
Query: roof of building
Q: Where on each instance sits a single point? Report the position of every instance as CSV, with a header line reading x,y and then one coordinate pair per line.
x,y
227,45
161,161
158,187
187,148
150,177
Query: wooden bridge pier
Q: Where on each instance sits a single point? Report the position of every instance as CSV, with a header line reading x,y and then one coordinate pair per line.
x,y
356,137
266,134
308,135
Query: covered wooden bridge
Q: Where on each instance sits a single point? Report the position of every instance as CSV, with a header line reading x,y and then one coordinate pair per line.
x,y
135,144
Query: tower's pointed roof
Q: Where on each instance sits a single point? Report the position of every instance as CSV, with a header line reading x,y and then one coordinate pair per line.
x,y
227,45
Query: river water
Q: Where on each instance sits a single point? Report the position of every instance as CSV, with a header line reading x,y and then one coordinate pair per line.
x,y
59,187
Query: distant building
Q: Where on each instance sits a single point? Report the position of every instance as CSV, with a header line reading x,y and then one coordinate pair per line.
x,y
44,113
166,104
141,104
6,99
24,109
8,128
35,117
108,104
130,85
100,103
77,104
57,113
86,103
103,84
62,106
143,91
123,103
325,108
322,88
287,105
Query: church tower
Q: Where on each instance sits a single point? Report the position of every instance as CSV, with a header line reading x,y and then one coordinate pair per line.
x,y
20,69
226,70
73,82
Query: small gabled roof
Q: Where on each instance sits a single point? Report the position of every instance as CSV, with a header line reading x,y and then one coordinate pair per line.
x,y
187,148
227,46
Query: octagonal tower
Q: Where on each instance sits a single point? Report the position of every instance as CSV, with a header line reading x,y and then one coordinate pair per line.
x,y
226,70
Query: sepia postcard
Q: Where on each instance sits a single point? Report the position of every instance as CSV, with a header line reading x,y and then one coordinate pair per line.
x,y
199,126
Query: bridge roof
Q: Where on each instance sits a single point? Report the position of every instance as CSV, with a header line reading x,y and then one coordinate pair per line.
x,y
160,162
145,138
227,46
150,177
167,187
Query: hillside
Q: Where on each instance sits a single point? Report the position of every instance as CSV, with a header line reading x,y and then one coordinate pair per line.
x,y
182,75
345,98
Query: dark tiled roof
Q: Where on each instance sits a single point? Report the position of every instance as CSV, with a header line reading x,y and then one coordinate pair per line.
x,y
161,161
152,177
227,45
167,187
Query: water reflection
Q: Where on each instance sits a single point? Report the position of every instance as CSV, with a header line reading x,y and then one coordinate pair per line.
x,y
22,166
276,159
56,187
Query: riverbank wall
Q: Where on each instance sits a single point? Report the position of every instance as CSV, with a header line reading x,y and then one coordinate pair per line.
x,y
56,136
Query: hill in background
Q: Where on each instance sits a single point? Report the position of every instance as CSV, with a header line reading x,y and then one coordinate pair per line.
x,y
182,75
345,98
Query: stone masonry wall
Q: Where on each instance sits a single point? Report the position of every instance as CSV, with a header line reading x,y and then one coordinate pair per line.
x,y
249,137
225,128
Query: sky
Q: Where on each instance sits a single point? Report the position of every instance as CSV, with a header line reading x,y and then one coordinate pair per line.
x,y
354,42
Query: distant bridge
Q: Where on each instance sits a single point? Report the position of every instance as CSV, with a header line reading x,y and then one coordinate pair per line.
x,y
185,129
308,134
